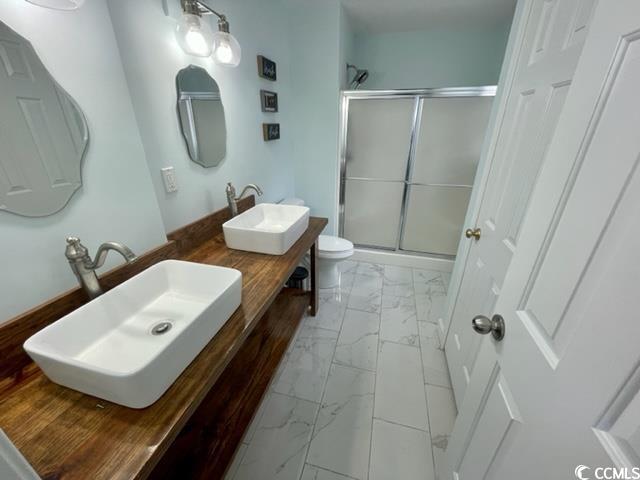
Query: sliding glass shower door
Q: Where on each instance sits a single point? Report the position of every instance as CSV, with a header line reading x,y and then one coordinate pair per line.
x,y
377,158
408,164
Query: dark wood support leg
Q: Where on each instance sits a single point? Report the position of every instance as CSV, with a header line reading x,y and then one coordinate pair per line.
x,y
314,280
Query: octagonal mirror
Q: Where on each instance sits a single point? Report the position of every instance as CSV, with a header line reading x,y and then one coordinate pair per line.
x,y
201,116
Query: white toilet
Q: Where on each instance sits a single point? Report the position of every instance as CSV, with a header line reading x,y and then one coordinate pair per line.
x,y
331,251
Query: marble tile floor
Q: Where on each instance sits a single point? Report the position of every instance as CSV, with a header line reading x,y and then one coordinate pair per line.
x,y
363,391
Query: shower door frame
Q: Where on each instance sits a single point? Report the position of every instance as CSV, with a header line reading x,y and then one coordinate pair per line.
x,y
418,95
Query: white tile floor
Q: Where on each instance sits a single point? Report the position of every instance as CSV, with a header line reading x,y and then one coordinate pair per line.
x,y
363,391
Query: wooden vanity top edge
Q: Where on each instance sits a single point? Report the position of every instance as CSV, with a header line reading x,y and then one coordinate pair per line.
x,y
66,434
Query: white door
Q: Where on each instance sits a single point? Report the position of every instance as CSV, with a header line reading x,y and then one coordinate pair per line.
x,y
559,396
548,43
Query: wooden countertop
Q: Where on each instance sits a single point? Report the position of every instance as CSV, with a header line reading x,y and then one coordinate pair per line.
x,y
66,434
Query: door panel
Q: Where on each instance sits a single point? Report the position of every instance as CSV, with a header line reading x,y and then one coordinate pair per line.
x,y
545,68
498,417
539,115
480,292
548,293
619,428
582,17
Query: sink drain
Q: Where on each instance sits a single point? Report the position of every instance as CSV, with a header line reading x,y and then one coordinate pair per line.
x,y
161,328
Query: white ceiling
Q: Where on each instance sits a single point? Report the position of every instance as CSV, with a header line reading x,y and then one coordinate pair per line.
x,y
380,16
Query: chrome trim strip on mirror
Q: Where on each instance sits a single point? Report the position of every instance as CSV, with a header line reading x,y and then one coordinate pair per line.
x,y
199,96
191,136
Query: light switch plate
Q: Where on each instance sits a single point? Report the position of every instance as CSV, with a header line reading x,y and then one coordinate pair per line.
x,y
169,178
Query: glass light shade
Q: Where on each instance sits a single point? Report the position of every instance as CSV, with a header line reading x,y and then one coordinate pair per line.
x,y
194,35
58,4
226,49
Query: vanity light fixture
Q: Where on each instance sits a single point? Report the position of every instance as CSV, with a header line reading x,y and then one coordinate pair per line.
x,y
58,4
193,34
196,38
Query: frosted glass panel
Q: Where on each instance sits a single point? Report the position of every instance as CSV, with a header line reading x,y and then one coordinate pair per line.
x,y
451,135
434,217
372,212
379,133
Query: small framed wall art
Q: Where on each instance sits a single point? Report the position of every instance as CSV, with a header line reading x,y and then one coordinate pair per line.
x,y
270,131
267,68
269,101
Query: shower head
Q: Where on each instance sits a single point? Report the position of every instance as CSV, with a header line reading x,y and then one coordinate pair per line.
x,y
359,78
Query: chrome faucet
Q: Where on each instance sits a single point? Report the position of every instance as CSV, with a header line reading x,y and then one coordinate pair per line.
x,y
233,200
85,268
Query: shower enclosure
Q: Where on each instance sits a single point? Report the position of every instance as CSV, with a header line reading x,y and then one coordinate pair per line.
x,y
407,164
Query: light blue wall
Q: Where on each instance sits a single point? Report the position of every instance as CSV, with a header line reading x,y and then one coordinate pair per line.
x,y
322,41
441,57
347,48
117,201
152,58
315,83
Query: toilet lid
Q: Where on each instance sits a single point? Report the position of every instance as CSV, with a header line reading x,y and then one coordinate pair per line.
x,y
330,244
292,201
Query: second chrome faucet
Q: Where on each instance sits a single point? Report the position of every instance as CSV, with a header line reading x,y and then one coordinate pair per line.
x,y
232,199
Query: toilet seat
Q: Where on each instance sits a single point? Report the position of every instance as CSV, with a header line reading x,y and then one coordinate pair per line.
x,y
334,248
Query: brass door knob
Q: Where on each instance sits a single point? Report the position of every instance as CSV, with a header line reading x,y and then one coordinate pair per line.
x,y
473,233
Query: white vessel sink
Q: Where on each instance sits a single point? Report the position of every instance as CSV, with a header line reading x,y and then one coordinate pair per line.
x,y
267,228
109,348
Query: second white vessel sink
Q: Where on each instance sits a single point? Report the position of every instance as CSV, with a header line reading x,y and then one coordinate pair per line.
x,y
267,228
129,345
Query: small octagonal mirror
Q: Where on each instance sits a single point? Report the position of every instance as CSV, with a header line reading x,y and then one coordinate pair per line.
x,y
201,116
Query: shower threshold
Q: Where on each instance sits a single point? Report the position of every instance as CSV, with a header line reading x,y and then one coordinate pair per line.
x,y
401,258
